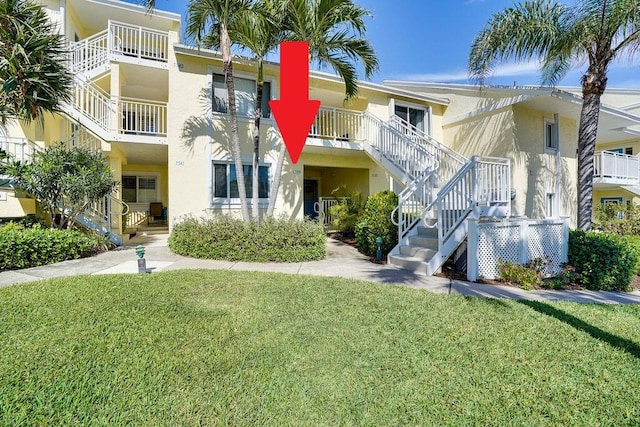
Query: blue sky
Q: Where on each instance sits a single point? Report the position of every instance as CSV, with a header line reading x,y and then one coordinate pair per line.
x,y
429,40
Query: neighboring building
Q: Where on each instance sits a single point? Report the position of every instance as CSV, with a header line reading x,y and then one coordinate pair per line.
x,y
158,111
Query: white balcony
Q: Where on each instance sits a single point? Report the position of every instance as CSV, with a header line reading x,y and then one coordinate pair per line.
x,y
613,169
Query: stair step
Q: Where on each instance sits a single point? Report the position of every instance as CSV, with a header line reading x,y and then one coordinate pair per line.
x,y
428,231
409,263
423,242
424,254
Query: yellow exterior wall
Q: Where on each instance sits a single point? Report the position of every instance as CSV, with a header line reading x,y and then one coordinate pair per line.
x,y
13,206
517,133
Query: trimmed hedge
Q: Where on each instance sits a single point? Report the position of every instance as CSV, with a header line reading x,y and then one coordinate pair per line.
x,y
30,247
603,261
376,221
272,240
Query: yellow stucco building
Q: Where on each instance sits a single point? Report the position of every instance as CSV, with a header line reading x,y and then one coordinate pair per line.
x,y
157,109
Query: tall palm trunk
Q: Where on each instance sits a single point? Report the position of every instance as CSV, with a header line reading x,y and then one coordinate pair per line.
x,y
256,143
273,194
593,86
586,148
225,44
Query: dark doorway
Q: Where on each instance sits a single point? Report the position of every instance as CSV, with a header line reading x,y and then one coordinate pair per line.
x,y
310,198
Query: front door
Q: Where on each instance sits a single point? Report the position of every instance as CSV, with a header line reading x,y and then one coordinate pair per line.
x,y
310,198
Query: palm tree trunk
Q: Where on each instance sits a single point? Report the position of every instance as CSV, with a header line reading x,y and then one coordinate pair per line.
x,y
256,144
586,147
225,44
273,195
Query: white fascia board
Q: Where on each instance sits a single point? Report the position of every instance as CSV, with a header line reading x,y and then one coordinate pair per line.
x,y
137,8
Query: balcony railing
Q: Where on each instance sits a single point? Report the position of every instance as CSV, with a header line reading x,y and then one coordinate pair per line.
x,y
138,42
141,117
616,167
337,124
20,149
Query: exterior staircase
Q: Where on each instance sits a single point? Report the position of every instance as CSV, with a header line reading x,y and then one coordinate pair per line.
x,y
442,188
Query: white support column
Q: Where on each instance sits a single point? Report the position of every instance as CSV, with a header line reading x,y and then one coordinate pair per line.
x,y
523,247
565,238
472,250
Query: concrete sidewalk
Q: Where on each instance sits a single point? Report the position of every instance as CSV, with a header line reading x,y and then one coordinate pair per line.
x,y
342,261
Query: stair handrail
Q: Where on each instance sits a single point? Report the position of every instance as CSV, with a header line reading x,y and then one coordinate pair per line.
x,y
470,187
412,130
394,143
89,53
411,202
94,103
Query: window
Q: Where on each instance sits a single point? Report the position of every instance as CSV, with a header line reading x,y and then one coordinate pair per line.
x,y
415,116
225,181
245,90
614,201
550,208
139,189
550,136
628,151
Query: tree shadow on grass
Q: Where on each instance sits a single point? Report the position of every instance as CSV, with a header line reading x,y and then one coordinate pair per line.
x,y
613,340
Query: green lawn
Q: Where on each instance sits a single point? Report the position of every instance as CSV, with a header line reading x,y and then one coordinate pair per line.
x,y
233,348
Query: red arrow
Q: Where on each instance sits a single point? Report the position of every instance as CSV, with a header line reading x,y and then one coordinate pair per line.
x,y
294,111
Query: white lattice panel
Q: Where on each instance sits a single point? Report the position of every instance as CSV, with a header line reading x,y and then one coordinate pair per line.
x,y
496,244
515,241
545,241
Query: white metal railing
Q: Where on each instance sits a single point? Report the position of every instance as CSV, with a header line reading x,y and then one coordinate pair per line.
x,y
138,42
102,215
88,54
410,157
616,166
82,138
412,202
93,103
323,205
141,117
20,149
336,124
516,240
449,161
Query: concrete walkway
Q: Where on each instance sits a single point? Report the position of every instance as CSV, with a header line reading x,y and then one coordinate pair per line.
x,y
342,261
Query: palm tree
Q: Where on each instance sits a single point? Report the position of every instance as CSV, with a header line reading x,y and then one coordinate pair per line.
x,y
260,30
33,73
213,20
335,31
592,31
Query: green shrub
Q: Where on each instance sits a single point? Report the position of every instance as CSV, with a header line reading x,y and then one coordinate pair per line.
x,y
525,276
634,241
345,215
30,247
603,261
224,238
617,218
376,221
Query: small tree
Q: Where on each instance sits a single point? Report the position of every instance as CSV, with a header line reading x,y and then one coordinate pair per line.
x,y
64,181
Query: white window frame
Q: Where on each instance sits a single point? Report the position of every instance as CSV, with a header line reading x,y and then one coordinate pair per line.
x,y
241,75
139,175
551,205
551,146
235,201
426,108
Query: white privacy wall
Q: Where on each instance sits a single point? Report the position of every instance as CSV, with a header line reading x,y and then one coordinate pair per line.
x,y
515,240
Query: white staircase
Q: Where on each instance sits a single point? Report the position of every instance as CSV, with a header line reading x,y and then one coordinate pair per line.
x,y
442,189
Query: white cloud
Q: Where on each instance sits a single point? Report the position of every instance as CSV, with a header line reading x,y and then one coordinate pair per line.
x,y
508,70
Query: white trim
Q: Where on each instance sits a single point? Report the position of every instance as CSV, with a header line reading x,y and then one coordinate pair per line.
x,y
426,108
555,148
234,202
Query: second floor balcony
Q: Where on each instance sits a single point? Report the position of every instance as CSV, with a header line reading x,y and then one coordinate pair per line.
x,y
613,169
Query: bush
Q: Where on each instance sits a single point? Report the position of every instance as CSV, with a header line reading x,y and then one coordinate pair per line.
x,y
634,241
617,218
224,238
525,276
345,215
30,247
603,261
376,221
